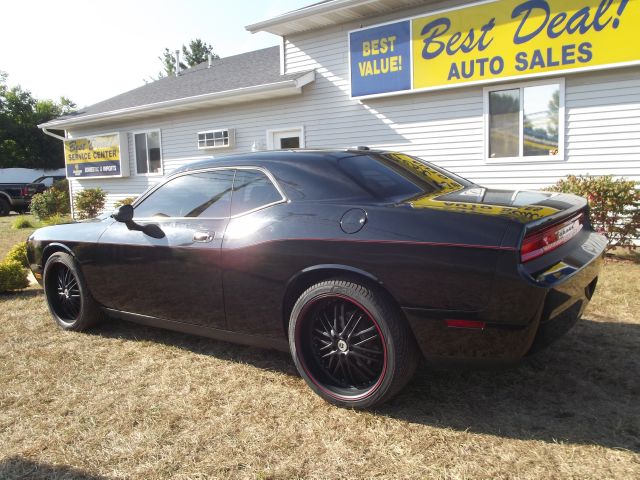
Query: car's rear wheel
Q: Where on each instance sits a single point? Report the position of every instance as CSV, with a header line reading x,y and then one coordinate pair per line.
x,y
68,297
350,344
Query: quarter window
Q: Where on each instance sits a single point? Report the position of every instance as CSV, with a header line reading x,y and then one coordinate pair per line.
x,y
148,152
252,189
204,194
525,122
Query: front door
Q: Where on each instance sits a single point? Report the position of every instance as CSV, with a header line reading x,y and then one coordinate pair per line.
x,y
178,277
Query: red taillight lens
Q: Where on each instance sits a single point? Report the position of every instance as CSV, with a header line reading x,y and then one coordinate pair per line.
x,y
24,191
537,244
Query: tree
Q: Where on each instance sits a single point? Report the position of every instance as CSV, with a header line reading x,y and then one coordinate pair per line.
x,y
22,143
169,63
196,52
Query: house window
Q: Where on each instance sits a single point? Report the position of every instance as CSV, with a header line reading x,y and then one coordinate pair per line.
x,y
525,122
215,139
148,152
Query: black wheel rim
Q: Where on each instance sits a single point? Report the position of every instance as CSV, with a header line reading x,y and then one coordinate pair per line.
x,y
64,293
341,347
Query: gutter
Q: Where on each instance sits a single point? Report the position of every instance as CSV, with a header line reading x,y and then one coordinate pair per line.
x,y
51,134
187,103
305,13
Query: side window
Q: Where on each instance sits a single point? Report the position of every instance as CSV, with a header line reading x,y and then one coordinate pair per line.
x,y
252,189
204,194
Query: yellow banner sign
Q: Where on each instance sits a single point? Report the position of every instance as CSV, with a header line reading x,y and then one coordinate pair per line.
x,y
512,38
97,156
493,41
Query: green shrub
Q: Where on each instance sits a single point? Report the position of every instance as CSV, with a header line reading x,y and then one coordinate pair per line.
x,y
18,253
22,222
614,205
53,201
13,276
61,185
125,201
57,220
90,202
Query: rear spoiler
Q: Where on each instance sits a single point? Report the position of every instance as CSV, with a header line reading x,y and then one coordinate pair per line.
x,y
571,205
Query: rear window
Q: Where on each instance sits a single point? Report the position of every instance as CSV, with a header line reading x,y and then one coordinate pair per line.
x,y
398,177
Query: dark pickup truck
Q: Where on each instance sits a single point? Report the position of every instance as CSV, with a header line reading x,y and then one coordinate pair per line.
x,y
17,196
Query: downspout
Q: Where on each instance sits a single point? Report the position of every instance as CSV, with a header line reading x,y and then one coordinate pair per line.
x,y
55,135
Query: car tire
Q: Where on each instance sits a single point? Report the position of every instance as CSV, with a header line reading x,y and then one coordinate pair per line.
x,y
351,345
5,208
69,300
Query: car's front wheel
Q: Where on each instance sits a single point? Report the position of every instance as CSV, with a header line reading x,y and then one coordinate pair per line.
x,y
350,344
68,297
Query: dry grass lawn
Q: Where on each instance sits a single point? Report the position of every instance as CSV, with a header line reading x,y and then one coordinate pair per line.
x,y
126,401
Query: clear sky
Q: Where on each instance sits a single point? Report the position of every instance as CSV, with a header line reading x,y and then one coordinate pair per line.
x,y
90,50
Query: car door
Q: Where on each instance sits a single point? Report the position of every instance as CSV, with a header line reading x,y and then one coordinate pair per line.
x,y
252,275
177,277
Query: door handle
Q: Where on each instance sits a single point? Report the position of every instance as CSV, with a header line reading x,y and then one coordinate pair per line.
x,y
203,237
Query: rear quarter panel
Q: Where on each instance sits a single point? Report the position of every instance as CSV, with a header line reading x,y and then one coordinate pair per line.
x,y
425,259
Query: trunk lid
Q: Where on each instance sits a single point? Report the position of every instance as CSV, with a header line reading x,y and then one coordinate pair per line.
x,y
534,209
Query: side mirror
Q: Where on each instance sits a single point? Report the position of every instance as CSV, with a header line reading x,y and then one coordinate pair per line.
x,y
124,214
153,230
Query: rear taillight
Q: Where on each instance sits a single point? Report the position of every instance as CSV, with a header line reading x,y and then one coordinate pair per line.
x,y
539,243
24,191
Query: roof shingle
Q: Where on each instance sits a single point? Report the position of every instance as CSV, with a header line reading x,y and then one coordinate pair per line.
x,y
260,67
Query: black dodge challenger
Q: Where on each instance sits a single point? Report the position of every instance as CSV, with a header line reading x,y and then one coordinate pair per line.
x,y
359,262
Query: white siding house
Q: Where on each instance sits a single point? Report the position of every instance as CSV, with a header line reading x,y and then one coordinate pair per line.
x,y
600,115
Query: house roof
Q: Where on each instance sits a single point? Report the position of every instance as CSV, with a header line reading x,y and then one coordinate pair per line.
x,y
331,12
244,77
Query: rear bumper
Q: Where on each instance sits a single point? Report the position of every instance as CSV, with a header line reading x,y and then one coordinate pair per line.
x,y
565,303
539,308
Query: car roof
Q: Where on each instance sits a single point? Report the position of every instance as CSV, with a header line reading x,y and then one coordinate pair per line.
x,y
301,173
265,158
